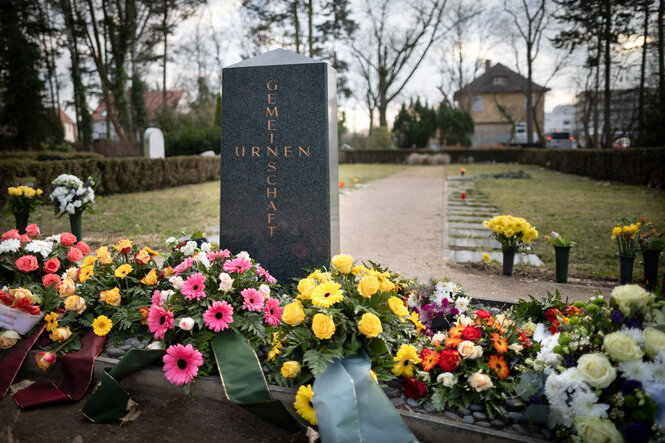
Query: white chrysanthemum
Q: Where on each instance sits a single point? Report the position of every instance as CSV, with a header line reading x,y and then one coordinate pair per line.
x,y
10,245
54,238
412,300
189,248
42,247
636,370
573,380
658,368
556,388
170,241
547,353
633,332
562,414
462,304
586,403
206,247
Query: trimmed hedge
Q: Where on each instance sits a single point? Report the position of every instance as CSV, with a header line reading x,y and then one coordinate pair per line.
x,y
118,175
48,155
456,155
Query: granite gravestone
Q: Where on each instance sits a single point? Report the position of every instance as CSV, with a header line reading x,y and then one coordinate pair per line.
x,y
279,197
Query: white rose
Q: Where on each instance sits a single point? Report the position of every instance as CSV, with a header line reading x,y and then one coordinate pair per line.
x,y
516,347
447,379
243,254
176,282
189,248
479,381
596,370
156,345
438,338
203,259
469,350
206,247
621,347
634,296
463,320
225,282
9,339
170,241
166,295
654,341
264,290
186,324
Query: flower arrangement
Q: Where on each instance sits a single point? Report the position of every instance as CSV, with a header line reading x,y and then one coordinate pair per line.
x,y
70,195
626,237
438,299
474,361
603,363
559,240
23,199
337,313
20,312
514,233
210,292
650,239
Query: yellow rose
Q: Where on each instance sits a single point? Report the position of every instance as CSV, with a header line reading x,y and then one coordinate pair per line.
x,y
8,339
111,297
654,341
622,347
29,192
616,232
479,381
597,430
150,278
60,334
75,303
343,263
293,314
469,350
305,288
631,296
596,370
323,326
13,191
397,306
39,192
368,286
103,255
290,369
370,325
386,285
67,287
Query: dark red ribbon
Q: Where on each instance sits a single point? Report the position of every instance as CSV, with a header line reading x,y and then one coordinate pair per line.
x,y
77,370
10,365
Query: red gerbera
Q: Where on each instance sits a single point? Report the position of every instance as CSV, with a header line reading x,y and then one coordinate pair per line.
x,y
499,365
429,358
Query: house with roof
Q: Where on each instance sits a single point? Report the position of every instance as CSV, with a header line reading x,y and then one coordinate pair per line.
x,y
68,126
176,100
497,103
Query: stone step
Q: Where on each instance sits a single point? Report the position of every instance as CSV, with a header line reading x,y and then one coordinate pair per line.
x,y
487,243
467,218
466,225
462,256
483,233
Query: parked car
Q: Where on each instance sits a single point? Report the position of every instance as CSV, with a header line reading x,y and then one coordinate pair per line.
x,y
560,140
622,142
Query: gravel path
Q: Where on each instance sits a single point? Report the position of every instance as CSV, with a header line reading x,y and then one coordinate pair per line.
x,y
398,221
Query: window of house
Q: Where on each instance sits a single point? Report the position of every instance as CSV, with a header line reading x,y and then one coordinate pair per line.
x,y
477,104
533,101
499,81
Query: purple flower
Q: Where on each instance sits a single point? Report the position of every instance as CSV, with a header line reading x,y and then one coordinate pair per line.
x,y
535,400
568,360
617,317
634,323
630,386
637,432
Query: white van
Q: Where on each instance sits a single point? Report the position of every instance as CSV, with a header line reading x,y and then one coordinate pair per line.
x,y
560,140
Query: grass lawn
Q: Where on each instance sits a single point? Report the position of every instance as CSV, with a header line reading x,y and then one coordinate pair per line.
x,y
584,209
149,218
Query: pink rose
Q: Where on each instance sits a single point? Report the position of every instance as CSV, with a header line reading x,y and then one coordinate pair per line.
x,y
27,263
32,230
74,254
25,238
49,279
51,265
12,234
67,239
83,247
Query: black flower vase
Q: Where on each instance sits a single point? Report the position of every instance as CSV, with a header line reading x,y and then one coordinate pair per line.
x,y
626,269
508,261
75,224
21,221
561,254
650,267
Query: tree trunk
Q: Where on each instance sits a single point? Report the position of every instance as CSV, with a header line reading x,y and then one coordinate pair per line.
x,y
296,24
529,96
164,55
643,68
596,92
310,19
661,55
608,67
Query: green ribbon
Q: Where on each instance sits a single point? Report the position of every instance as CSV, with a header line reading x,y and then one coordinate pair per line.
x,y
109,401
244,383
350,405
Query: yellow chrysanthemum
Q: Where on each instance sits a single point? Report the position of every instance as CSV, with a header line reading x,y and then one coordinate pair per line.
x,y
51,320
275,338
111,296
102,325
150,278
327,294
415,319
86,273
303,404
405,361
89,260
397,306
123,270
486,257
274,352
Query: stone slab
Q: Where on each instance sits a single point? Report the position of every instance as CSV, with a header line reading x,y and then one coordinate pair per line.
x,y
460,256
467,218
466,225
472,207
469,232
279,173
470,210
474,243
465,178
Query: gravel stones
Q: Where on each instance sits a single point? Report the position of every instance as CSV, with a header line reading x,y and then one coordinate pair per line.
x,y
397,402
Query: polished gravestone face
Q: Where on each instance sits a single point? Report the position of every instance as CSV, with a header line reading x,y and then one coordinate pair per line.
x,y
279,196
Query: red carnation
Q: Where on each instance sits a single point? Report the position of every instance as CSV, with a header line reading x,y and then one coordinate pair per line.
x,y
67,239
414,388
449,360
51,265
471,333
552,313
83,247
483,314
49,279
27,263
74,254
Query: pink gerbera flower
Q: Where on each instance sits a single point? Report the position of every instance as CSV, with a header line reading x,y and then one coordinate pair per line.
x,y
273,311
218,316
224,253
159,320
181,364
266,275
238,264
253,299
185,265
193,287
156,297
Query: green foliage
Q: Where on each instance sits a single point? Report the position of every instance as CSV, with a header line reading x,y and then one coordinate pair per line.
x,y
341,127
530,384
379,138
415,125
455,126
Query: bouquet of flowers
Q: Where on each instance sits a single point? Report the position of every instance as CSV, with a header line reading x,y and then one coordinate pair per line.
x,y
70,195
438,299
626,237
23,199
19,312
514,233
475,361
650,239
604,363
559,240
209,292
337,313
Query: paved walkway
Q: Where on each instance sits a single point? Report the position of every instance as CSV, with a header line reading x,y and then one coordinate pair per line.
x,y
398,221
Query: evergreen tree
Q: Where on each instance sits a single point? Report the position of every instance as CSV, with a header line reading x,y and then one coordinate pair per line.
x,y
455,126
415,125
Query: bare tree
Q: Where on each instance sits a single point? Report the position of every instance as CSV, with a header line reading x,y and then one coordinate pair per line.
x,y
390,52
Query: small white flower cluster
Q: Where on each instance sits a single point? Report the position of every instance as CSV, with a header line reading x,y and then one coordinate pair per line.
x,y
10,245
70,194
450,291
570,396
